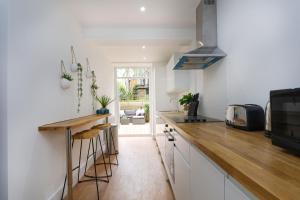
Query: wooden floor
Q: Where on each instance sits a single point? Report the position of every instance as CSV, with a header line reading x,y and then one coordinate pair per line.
x,y
139,176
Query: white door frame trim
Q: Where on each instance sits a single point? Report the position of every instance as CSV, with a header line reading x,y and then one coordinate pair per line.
x,y
151,90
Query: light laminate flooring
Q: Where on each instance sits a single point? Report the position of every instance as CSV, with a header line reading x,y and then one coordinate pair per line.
x,y
139,176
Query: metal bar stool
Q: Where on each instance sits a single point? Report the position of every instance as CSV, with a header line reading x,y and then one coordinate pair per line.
x,y
90,135
107,129
103,158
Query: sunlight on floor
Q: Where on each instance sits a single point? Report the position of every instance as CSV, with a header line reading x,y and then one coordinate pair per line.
x,y
136,129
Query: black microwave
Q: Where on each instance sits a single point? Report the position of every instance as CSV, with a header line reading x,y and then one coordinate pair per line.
x,y
285,118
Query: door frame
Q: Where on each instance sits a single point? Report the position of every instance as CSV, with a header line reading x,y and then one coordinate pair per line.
x,y
151,93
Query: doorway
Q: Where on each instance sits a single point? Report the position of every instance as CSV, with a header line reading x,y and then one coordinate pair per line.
x,y
133,94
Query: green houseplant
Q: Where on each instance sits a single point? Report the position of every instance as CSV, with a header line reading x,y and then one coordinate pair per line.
x,y
66,78
186,100
104,101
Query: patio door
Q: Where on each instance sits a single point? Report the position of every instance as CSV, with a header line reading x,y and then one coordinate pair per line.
x,y
133,92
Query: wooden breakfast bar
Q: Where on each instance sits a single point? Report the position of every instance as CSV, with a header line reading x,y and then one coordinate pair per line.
x,y
67,126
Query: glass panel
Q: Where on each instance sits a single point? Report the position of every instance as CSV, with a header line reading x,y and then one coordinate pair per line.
x,y
132,72
286,115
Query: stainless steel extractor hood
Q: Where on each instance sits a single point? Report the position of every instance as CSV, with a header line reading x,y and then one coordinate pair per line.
x,y
206,35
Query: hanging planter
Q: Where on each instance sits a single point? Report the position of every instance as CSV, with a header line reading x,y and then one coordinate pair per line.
x,y
89,73
79,84
94,88
74,65
66,78
77,67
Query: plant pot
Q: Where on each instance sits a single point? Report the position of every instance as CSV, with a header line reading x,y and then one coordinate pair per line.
x,y
185,112
65,84
74,67
186,109
102,111
89,74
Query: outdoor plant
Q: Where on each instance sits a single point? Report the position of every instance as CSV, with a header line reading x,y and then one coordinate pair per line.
x,y
147,112
104,100
125,94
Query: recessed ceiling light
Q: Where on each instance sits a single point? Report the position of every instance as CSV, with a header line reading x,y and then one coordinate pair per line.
x,y
143,9
144,58
144,47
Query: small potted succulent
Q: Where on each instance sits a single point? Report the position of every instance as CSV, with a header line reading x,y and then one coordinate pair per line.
x,y
104,101
185,101
66,80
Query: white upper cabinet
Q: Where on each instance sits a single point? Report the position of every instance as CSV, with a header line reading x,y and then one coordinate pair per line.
x,y
207,182
233,192
177,80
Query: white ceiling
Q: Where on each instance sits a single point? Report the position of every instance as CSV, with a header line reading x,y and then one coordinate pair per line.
x,y
120,29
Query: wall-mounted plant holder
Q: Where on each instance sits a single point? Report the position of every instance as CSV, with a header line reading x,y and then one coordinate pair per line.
x,y
94,88
77,67
74,64
65,78
89,73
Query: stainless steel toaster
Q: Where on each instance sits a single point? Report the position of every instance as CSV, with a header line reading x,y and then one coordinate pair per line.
x,y
247,117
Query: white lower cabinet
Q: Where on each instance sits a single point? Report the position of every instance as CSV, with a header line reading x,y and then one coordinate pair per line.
x,y
207,182
182,177
233,192
199,178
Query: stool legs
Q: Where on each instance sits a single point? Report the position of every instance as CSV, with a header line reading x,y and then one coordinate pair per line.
x,y
103,158
79,162
95,168
87,157
100,178
111,139
108,150
94,178
113,143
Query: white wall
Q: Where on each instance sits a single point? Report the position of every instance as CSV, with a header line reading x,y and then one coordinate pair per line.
x,y
40,35
262,41
164,102
3,110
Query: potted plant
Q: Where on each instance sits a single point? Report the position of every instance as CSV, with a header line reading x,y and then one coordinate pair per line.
x,y
66,80
185,101
147,112
104,101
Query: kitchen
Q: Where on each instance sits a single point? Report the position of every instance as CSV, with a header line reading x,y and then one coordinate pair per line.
x,y
261,44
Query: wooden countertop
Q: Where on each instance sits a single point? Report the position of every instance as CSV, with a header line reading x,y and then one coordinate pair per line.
x,y
269,172
72,123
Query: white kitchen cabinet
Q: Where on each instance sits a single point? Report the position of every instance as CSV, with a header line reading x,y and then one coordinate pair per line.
x,y
177,80
207,181
182,177
160,136
233,192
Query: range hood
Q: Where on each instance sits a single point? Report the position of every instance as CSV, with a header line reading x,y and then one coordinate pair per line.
x,y
207,52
